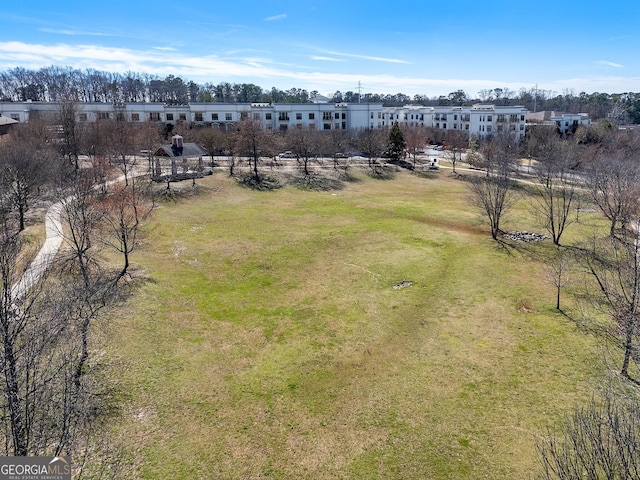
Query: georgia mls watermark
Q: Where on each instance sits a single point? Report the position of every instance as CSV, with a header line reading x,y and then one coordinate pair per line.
x,y
35,468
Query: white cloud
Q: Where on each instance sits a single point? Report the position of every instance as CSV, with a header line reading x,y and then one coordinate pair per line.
x,y
609,64
274,18
365,57
75,32
266,72
326,59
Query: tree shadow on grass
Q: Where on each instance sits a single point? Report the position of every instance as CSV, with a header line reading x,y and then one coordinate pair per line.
x,y
261,183
313,182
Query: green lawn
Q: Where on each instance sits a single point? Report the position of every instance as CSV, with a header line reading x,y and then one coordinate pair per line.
x,y
269,341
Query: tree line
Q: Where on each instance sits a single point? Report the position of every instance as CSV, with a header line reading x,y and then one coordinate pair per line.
x,y
59,83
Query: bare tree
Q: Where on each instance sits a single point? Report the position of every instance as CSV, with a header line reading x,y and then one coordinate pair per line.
x,y
457,142
72,131
148,139
122,212
599,441
24,163
212,140
557,187
615,266
123,146
305,144
558,270
495,193
372,144
253,142
47,404
614,185
416,141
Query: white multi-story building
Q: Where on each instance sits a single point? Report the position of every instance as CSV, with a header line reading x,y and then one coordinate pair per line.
x,y
225,116
480,120
569,122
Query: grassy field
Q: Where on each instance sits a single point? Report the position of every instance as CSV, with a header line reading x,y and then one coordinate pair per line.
x,y
269,342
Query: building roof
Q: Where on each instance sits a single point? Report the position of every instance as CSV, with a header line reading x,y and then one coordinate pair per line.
x,y
7,121
189,150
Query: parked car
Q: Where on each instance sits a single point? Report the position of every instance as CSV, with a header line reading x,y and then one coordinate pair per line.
x,y
287,154
342,155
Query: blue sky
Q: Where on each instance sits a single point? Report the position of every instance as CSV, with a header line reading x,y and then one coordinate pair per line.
x,y
414,47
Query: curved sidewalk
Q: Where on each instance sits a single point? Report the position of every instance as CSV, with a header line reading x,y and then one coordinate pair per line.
x,y
53,240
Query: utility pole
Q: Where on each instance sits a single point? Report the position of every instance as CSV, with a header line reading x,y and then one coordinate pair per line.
x,y
359,91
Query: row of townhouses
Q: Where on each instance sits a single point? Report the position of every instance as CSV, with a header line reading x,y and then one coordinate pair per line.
x,y
479,120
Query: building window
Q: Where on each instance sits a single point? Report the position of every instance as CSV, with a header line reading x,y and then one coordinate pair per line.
x,y
82,117
244,115
120,116
256,116
344,116
104,116
227,117
327,115
327,126
154,116
214,117
298,116
372,117
283,116
489,118
169,116
380,115
183,117
312,116
522,118
488,128
199,117
466,127
513,118
444,125
337,116
267,116
135,117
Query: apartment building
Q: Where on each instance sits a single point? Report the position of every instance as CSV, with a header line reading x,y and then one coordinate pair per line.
x,y
479,120
225,116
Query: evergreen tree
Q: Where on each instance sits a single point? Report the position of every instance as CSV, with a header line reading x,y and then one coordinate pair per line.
x,y
397,143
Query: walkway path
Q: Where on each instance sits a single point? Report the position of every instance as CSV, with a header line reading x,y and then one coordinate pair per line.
x,y
53,240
